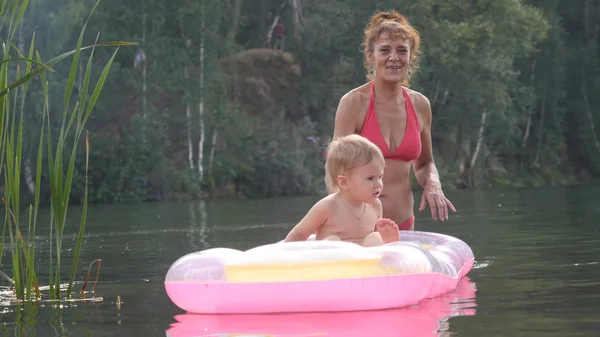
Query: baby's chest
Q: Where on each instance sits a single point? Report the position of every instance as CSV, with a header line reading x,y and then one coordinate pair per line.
x,y
350,224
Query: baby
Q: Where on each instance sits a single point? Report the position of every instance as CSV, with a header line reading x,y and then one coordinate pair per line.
x,y
353,213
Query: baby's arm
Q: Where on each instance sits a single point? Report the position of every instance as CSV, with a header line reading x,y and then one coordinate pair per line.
x,y
313,220
379,209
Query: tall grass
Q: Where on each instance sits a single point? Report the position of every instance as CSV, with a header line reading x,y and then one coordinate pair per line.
x,y
61,155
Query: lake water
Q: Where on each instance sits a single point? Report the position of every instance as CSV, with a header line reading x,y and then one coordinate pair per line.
x,y
537,270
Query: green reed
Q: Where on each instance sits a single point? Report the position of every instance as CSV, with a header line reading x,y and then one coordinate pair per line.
x,y
60,157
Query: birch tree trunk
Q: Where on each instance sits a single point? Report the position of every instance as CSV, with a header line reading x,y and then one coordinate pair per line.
x,y
273,24
237,8
466,166
588,110
529,110
212,152
201,104
297,17
536,160
236,18
144,72
188,114
479,139
446,93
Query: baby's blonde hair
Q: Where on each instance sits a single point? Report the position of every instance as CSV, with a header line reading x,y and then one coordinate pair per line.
x,y
346,153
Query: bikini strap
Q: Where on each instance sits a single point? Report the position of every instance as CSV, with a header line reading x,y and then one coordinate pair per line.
x,y
372,97
412,114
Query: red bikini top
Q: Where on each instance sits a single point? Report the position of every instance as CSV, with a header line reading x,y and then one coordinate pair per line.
x,y
410,146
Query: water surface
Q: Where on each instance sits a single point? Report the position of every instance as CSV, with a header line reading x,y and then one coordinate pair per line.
x,y
537,270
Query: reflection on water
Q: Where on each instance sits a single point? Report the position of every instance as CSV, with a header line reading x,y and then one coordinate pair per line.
x,y
428,318
198,225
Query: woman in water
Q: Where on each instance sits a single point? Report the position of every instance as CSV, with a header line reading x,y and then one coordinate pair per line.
x,y
395,118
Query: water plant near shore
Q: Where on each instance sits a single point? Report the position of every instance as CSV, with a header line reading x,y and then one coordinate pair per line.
x,y
54,147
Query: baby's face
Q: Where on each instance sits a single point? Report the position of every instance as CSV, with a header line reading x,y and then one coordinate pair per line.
x,y
366,182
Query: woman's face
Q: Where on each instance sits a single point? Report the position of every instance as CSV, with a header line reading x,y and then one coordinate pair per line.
x,y
391,57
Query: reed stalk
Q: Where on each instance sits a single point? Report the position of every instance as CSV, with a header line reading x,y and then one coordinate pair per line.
x,y
60,156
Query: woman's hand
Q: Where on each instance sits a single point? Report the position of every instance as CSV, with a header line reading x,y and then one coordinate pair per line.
x,y
434,196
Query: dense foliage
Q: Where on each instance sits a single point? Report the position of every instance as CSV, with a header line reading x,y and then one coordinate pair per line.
x,y
212,109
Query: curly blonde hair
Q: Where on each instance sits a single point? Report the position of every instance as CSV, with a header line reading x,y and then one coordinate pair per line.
x,y
396,24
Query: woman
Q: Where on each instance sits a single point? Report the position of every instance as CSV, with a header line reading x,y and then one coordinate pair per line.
x,y
395,118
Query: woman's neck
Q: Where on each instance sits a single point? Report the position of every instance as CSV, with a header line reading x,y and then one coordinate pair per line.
x,y
389,91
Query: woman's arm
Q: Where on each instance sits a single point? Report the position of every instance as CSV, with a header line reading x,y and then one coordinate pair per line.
x,y
425,170
424,166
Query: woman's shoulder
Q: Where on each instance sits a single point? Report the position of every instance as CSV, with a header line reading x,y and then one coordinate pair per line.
x,y
352,110
357,96
417,98
421,104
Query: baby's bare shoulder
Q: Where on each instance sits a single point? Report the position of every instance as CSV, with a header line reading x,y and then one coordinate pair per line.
x,y
327,204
